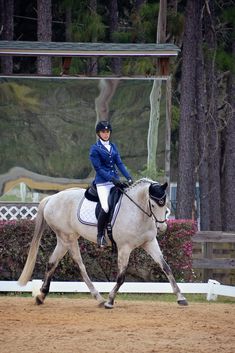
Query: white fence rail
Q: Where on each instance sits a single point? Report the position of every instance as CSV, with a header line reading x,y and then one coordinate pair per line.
x,y
212,289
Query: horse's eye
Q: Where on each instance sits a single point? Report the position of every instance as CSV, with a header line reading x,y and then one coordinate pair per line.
x,y
152,206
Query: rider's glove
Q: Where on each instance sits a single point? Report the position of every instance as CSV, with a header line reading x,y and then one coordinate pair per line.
x,y
130,181
116,182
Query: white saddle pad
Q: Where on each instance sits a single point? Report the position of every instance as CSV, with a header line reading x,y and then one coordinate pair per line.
x,y
86,212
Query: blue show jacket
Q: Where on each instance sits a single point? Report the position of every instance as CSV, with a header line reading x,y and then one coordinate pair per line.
x,y
105,162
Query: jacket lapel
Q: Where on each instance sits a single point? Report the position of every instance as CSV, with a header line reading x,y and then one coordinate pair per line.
x,y
99,144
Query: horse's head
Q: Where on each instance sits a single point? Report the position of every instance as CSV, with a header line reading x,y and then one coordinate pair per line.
x,y
158,206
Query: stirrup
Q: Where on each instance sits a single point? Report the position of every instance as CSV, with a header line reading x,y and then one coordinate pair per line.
x,y
101,241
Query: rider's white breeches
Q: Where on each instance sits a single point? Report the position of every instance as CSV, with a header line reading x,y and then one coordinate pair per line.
x,y
103,193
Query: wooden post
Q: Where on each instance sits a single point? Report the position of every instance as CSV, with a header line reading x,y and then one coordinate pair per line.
x,y
164,66
207,252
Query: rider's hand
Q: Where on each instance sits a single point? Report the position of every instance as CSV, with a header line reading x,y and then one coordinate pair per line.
x,y
116,182
130,181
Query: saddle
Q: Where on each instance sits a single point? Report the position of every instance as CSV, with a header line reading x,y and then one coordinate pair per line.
x,y
114,196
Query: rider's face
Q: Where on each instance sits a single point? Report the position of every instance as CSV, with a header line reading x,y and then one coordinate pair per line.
x,y
104,135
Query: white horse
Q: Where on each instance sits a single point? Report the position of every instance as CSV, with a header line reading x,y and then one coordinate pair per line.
x,y
142,213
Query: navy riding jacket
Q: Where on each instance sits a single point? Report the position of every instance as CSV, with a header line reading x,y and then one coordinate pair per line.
x,y
105,162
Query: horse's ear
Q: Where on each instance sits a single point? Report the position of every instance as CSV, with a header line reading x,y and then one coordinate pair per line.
x,y
164,186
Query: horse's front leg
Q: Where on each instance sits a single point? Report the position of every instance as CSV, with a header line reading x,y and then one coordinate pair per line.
x,y
123,259
76,256
153,249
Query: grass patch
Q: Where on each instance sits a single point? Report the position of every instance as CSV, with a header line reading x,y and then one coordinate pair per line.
x,y
169,298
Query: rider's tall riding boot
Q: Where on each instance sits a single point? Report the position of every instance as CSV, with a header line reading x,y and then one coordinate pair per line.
x,y
102,220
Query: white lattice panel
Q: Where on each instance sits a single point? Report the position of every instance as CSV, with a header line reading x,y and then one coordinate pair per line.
x,y
17,212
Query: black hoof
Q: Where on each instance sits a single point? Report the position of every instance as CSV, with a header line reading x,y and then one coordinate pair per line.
x,y
183,302
108,305
38,300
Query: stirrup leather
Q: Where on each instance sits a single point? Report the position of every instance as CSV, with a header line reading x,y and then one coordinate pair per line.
x,y
101,241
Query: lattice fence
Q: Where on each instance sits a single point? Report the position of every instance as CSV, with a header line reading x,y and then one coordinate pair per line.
x,y
16,211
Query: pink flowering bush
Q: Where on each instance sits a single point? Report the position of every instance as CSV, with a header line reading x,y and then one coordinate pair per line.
x,y
176,245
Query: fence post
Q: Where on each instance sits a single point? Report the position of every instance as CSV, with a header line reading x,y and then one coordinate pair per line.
x,y
211,284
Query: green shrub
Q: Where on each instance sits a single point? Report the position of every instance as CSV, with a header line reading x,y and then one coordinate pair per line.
x,y
176,245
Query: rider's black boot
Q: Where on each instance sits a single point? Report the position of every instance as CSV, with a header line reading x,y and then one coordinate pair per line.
x,y
102,220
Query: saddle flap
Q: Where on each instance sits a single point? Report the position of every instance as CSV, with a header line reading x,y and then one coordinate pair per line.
x,y
91,193
87,211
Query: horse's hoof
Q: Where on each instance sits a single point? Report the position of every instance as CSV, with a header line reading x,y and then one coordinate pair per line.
x,y
101,304
183,302
108,305
38,300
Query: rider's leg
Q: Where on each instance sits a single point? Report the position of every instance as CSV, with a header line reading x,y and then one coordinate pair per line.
x,y
103,193
102,220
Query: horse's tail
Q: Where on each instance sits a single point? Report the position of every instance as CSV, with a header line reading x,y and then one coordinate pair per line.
x,y
33,250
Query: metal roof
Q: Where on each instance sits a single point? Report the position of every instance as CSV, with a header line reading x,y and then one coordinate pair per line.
x,y
27,48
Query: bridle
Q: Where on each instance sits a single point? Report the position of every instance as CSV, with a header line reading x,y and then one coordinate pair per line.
x,y
159,201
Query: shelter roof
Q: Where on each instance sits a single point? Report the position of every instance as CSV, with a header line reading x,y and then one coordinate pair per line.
x,y
27,48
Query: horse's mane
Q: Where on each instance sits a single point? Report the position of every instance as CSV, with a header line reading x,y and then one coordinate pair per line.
x,y
138,182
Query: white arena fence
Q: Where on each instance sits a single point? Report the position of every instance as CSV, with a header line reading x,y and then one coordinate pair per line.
x,y
211,289
17,211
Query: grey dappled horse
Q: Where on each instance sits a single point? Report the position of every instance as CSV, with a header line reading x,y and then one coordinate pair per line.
x,y
142,213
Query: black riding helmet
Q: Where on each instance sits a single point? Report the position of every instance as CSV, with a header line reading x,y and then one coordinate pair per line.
x,y
103,125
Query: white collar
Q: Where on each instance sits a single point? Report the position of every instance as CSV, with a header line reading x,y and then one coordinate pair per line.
x,y
105,143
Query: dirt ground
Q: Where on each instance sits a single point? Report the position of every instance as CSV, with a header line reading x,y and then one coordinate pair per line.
x,y
65,325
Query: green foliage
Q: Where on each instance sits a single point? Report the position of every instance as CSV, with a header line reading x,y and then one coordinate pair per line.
x,y
22,95
176,244
225,60
139,66
228,15
88,27
175,24
152,174
148,19
121,37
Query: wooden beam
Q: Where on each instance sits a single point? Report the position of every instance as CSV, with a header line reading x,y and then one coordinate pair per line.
x,y
213,237
205,263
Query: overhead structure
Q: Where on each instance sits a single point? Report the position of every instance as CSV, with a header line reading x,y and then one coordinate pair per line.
x,y
73,49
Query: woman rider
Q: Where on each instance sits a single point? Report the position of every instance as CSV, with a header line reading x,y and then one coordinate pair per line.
x,y
105,157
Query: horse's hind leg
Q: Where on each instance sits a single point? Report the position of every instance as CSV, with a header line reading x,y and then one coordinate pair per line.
x,y
58,253
152,248
76,256
123,259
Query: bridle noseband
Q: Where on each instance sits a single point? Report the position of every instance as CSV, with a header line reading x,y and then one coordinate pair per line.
x,y
151,212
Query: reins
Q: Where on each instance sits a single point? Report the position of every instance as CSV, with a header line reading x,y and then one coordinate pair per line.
x,y
136,204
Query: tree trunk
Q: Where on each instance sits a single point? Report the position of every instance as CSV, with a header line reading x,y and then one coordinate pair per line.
x,y
228,186
186,158
44,33
7,32
168,131
93,61
107,90
155,99
66,61
202,129
214,153
113,27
